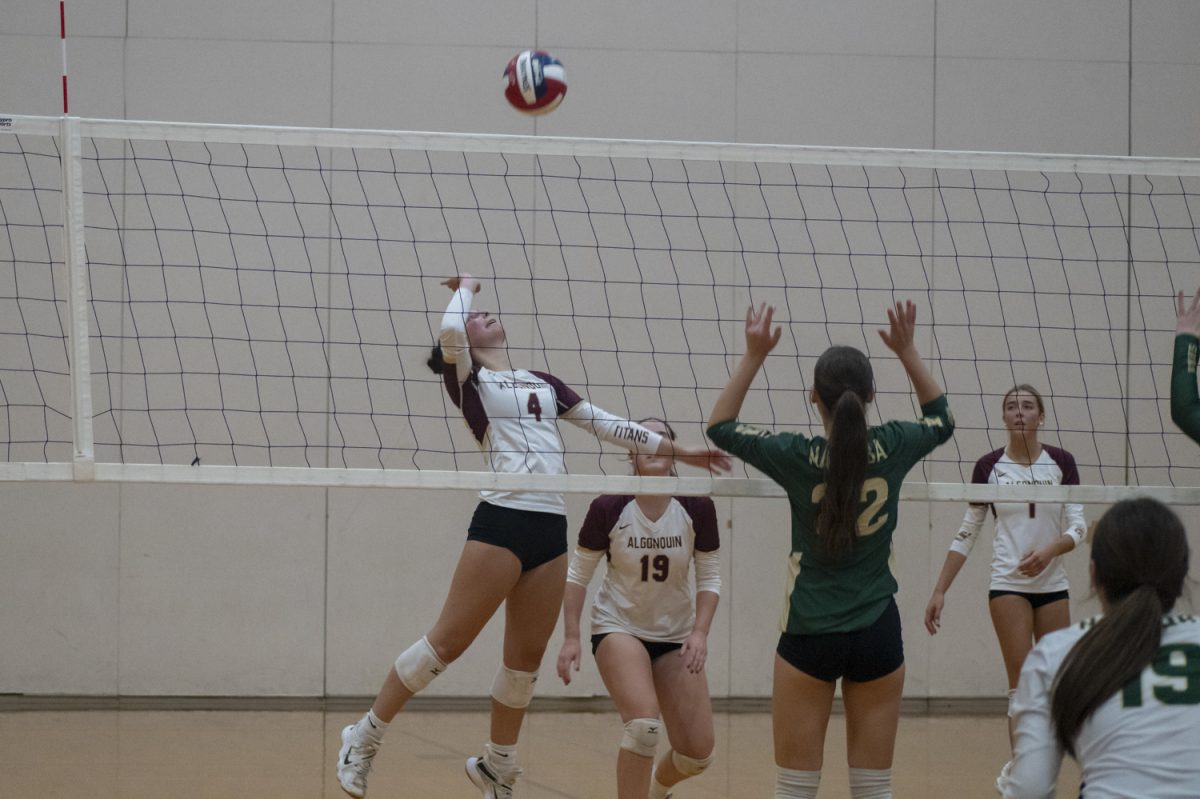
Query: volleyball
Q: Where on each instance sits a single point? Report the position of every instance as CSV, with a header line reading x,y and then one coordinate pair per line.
x,y
534,82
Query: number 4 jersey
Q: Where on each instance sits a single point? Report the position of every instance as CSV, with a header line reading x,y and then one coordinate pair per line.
x,y
1143,741
646,590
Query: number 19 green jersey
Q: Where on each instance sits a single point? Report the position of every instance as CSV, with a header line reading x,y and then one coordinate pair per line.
x,y
843,595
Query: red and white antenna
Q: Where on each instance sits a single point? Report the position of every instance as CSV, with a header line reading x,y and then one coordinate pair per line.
x,y
62,18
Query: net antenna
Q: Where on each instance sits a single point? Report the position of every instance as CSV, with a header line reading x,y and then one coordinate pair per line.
x,y
252,305
62,28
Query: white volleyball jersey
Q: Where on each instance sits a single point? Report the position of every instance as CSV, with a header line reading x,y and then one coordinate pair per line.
x,y
1143,742
513,415
1024,526
646,590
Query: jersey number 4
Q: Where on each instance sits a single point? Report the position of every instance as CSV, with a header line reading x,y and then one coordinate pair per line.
x,y
534,407
1180,665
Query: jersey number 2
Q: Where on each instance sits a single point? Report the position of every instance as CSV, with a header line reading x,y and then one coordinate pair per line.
x,y
874,494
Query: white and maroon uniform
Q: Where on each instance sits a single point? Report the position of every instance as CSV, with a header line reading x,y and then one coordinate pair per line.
x,y
1143,741
646,590
513,415
1022,526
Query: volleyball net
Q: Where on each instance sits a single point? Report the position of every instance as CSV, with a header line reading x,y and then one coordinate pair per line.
x,y
227,304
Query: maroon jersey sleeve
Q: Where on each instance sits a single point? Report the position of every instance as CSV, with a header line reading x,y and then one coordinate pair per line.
x,y
983,472
704,522
450,378
601,518
984,466
564,395
1066,464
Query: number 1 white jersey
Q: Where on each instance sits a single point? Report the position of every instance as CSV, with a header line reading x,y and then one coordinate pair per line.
x,y
1143,742
646,591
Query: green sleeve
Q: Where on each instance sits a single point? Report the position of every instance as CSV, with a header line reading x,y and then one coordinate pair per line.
x,y
773,454
933,429
1185,402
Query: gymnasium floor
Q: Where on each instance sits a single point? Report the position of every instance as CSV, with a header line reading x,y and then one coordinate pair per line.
x,y
144,754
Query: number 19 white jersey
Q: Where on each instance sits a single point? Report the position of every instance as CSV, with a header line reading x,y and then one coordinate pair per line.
x,y
646,591
1143,742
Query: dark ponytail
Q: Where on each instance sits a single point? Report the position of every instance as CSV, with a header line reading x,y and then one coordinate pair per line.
x,y
1140,562
435,361
843,380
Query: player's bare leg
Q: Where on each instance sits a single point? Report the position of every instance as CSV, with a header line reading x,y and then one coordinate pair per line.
x,y
800,710
531,613
1050,617
687,712
872,718
483,577
625,668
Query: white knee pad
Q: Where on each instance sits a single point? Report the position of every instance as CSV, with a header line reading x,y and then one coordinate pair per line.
x,y
1012,694
418,665
690,766
641,737
513,688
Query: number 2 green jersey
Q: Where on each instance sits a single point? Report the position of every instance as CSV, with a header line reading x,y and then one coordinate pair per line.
x,y
824,595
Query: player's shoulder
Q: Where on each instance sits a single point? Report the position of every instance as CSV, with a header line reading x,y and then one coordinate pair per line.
x,y
610,504
535,375
1055,645
1181,628
989,460
1058,454
698,503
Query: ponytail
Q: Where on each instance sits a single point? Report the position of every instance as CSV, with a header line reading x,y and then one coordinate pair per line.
x,y
837,515
435,362
1139,561
844,382
1111,654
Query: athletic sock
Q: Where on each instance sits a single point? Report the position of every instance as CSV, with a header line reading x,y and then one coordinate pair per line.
x,y
370,726
657,789
792,784
502,759
871,783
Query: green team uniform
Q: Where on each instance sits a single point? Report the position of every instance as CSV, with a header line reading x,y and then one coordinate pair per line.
x,y
1185,401
827,596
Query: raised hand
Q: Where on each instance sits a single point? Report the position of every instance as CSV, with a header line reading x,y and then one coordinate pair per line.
x,y
1189,315
760,338
902,326
463,280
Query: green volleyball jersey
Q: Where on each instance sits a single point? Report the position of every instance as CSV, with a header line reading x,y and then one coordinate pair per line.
x,y
1185,401
831,596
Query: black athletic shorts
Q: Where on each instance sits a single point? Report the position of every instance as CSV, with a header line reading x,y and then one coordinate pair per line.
x,y
533,536
859,656
1036,600
655,649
